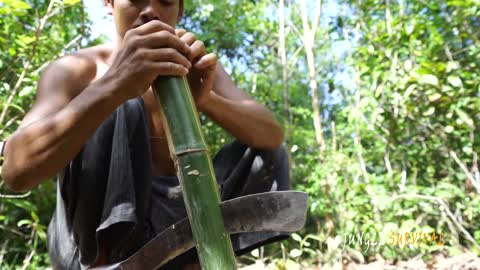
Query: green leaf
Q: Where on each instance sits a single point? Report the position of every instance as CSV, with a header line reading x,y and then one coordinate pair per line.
x,y
255,253
383,201
18,4
25,40
291,265
429,112
428,79
24,222
35,217
314,237
408,65
356,254
42,235
294,253
27,90
24,204
452,65
467,149
296,237
71,2
409,90
448,190
434,97
410,27
464,117
449,129
454,81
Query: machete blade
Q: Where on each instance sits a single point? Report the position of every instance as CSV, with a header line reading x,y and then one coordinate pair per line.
x,y
283,211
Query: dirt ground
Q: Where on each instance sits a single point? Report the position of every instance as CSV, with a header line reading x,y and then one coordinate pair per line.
x,y
467,261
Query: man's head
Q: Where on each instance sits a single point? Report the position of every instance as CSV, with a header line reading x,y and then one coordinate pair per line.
x,y
128,14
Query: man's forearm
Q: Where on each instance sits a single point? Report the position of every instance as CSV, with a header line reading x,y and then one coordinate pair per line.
x,y
41,149
248,121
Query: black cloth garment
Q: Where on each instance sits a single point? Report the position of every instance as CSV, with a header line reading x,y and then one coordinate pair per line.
x,y
108,193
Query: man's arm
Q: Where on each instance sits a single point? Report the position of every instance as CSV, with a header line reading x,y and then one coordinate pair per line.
x,y
69,109
234,110
217,96
64,116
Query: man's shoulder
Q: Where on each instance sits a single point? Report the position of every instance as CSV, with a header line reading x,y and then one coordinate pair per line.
x,y
79,66
72,73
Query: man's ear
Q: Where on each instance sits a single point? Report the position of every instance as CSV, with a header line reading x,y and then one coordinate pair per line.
x,y
108,5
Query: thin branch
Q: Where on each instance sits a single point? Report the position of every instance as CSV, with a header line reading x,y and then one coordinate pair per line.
x,y
386,159
28,259
404,174
334,136
388,18
475,182
9,123
306,26
9,196
3,251
17,232
356,137
448,53
294,28
294,58
316,20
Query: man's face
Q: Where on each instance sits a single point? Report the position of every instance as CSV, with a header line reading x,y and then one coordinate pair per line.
x,y
129,14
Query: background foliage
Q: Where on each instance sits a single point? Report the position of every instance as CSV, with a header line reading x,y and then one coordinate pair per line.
x,y
379,100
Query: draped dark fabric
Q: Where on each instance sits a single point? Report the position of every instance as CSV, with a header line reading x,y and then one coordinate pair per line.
x,y
108,193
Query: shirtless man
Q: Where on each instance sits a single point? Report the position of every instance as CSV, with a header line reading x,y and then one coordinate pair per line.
x,y
78,92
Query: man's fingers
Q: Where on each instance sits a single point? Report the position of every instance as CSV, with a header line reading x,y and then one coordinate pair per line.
x,y
153,26
164,39
189,38
197,50
180,32
208,61
169,69
166,55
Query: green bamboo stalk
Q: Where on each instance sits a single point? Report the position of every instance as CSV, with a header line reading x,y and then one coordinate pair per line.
x,y
195,173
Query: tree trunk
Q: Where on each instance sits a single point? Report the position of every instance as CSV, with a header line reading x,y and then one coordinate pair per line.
x,y
195,173
286,102
308,42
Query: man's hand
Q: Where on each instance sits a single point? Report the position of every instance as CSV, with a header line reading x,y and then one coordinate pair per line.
x,y
202,74
148,51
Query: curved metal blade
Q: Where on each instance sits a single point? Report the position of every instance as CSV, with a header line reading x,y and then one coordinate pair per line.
x,y
283,211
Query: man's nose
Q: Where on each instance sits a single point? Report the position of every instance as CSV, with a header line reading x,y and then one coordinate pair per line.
x,y
148,13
